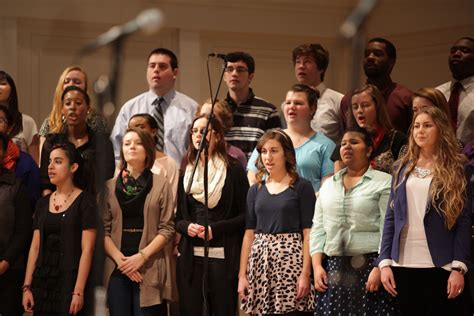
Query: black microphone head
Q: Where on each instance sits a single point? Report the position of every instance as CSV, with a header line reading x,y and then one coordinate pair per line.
x,y
218,55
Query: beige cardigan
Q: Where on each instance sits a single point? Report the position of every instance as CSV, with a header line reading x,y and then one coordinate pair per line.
x,y
159,271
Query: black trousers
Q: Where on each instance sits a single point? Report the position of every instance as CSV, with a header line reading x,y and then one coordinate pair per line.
x,y
10,292
424,291
222,295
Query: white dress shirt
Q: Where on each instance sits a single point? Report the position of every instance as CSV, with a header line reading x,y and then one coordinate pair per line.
x,y
327,118
465,128
178,114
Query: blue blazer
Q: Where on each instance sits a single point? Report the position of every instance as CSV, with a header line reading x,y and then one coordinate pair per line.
x,y
444,245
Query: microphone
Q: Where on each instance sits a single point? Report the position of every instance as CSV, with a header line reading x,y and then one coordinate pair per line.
x,y
353,22
149,21
217,55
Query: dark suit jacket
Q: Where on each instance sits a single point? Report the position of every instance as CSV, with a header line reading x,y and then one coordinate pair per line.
x,y
444,245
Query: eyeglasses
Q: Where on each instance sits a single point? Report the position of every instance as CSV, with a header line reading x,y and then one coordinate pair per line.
x,y
196,130
239,70
3,121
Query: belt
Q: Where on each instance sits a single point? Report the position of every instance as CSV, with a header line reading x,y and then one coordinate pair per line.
x,y
133,230
214,252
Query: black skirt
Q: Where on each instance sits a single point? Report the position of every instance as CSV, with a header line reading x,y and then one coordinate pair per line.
x,y
52,290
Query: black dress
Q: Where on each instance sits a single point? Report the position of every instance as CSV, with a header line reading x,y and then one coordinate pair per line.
x,y
54,277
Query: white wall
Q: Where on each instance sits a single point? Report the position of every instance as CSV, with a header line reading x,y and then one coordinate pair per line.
x,y
39,38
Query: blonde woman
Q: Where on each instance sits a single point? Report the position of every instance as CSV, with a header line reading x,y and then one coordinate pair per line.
x,y
425,249
71,76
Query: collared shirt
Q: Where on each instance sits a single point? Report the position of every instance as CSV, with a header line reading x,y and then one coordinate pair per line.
x,y
178,114
350,223
327,118
252,119
465,128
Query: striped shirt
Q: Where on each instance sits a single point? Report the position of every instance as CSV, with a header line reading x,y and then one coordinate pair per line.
x,y
252,119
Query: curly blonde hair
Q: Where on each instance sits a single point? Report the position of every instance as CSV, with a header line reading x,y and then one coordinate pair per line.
x,y
448,187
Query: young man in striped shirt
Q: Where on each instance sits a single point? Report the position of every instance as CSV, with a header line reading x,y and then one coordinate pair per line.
x,y
252,115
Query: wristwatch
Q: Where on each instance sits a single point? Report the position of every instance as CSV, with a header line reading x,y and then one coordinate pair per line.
x,y
459,269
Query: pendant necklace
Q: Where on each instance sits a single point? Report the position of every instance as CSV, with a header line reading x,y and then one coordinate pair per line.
x,y
58,206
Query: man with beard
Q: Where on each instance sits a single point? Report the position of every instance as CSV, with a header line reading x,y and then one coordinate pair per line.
x,y
460,90
380,56
311,62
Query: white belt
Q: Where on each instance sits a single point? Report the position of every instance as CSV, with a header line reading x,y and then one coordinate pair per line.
x,y
214,252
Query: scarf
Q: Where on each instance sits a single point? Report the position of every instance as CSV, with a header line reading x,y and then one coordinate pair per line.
x,y
11,156
131,186
217,172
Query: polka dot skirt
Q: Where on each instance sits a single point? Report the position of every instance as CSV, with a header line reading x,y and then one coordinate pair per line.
x,y
346,293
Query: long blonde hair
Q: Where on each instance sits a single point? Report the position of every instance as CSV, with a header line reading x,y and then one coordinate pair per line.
x,y
448,187
55,119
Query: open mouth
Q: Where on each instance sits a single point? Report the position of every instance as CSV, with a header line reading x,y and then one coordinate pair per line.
x,y
347,154
72,117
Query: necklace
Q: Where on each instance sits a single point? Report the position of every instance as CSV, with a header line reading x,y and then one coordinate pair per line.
x,y
58,206
421,172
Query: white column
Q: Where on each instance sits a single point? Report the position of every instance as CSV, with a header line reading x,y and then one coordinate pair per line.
x,y
190,64
9,46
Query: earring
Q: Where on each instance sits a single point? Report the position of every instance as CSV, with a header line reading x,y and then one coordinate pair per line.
x,y
63,118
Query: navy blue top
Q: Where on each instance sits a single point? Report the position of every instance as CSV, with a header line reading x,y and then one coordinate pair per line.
x,y
289,211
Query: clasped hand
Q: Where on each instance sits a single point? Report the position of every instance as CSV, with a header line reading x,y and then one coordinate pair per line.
x,y
196,230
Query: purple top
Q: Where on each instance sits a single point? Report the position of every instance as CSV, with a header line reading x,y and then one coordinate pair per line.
x,y
238,154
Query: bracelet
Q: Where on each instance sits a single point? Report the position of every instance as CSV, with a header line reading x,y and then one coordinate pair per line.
x,y
143,255
26,287
76,293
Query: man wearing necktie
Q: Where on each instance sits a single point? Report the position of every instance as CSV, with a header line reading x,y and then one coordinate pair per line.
x,y
460,90
174,111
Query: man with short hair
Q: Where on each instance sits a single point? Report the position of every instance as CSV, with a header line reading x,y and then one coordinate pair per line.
x,y
174,111
311,62
380,56
252,115
460,90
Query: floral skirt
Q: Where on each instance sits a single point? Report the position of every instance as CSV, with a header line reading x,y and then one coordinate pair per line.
x,y
346,293
274,266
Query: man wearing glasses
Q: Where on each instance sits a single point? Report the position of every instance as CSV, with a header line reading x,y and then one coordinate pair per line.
x,y
252,115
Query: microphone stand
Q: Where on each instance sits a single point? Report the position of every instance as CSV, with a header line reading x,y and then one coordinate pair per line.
x,y
204,145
